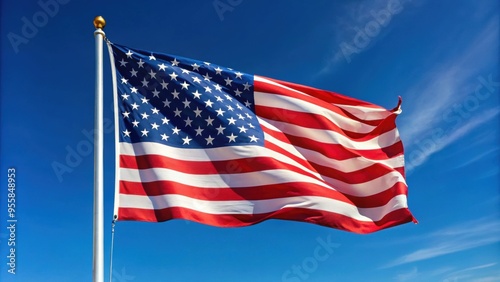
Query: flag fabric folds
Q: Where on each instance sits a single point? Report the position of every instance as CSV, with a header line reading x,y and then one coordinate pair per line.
x,y
210,144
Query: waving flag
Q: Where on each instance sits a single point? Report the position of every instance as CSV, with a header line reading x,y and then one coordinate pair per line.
x,y
206,143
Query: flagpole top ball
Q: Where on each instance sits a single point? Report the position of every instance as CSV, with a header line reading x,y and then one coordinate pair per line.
x,y
99,22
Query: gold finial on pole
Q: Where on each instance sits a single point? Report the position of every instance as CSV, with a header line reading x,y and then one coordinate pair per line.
x,y
99,22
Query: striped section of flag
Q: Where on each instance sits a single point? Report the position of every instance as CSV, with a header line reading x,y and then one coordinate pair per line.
x,y
269,150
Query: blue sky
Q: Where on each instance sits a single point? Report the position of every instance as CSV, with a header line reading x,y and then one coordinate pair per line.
x,y
442,57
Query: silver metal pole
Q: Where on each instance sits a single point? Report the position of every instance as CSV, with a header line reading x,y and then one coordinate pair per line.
x,y
98,250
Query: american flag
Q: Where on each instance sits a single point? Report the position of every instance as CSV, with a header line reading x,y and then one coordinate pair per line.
x,y
210,144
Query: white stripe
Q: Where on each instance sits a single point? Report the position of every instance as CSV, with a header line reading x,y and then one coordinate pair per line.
x,y
383,140
263,206
212,154
233,180
348,165
368,188
361,112
293,104
366,113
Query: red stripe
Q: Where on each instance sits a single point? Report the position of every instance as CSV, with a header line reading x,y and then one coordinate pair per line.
x,y
337,151
324,218
228,167
327,96
320,122
262,192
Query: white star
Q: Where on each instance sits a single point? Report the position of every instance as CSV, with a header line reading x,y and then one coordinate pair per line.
x,y
209,121
230,108
144,100
188,122
126,133
253,138
166,103
125,114
218,70
152,74
209,139
154,126
228,97
186,103
133,73
251,125
246,86
152,58
124,80
198,131
176,130
173,76
232,138
228,81
184,71
220,112
123,63
125,96
220,129
177,112
218,87
145,132
135,106
240,116
231,120
198,112
195,66
162,66
242,129
238,74
186,140
133,90
145,83
248,104
129,54
176,94
144,115
155,111
238,106
184,85
156,93
140,63
207,89
207,63
237,92
175,62
219,99
207,77
248,116
208,103
164,137
197,94
164,85
196,79
135,123
165,120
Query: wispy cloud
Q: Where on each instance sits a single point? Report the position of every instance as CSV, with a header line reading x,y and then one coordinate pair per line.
x,y
465,236
354,17
412,274
470,272
453,136
447,84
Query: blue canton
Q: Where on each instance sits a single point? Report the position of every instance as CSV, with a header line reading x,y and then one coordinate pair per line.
x,y
182,102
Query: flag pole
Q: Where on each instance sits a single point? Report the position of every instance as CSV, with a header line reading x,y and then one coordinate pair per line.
x,y
98,234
